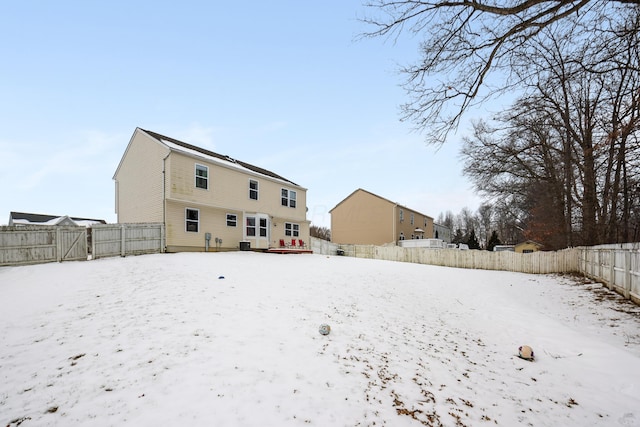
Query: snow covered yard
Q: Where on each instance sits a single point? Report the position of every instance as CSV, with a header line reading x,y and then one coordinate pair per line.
x,y
231,339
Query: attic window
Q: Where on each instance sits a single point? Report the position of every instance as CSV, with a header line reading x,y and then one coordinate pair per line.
x,y
202,177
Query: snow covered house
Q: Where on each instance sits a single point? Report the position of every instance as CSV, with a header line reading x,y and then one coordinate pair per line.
x,y
207,200
17,219
364,218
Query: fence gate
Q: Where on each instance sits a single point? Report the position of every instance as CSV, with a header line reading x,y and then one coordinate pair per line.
x,y
72,243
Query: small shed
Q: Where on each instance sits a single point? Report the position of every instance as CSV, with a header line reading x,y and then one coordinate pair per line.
x,y
528,247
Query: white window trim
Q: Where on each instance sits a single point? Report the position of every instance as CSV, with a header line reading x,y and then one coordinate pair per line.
x,y
196,176
186,219
289,198
293,229
227,219
257,190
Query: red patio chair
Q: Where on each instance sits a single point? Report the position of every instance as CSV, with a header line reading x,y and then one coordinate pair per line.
x,y
293,243
301,243
282,245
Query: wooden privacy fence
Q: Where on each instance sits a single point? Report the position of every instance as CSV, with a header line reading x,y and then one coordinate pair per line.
x,y
617,266
126,239
536,263
39,244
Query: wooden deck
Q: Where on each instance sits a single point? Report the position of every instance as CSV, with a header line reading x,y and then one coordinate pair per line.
x,y
290,250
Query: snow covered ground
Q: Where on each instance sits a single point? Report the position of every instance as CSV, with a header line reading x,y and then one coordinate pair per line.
x,y
231,339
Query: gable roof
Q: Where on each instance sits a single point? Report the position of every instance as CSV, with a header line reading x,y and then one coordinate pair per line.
x,y
176,145
25,218
379,197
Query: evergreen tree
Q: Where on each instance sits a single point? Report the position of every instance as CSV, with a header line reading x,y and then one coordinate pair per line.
x,y
458,237
493,241
473,240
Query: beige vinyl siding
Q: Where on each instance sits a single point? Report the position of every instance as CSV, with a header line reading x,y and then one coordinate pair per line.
x,y
144,193
214,220
363,218
408,229
211,220
527,246
278,231
229,187
227,192
139,181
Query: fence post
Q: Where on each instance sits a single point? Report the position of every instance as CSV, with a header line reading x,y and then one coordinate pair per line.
x,y
123,241
58,244
627,274
93,242
612,268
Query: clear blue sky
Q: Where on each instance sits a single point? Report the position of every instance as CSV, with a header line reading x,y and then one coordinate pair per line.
x,y
285,85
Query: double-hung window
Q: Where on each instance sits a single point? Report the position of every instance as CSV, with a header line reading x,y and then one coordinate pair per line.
x,y
256,226
202,177
192,220
288,198
253,189
251,226
232,220
292,230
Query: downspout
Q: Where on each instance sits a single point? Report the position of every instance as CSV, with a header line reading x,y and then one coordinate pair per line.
x,y
394,224
164,197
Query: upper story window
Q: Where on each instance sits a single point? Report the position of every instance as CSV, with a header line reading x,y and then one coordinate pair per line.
x,y
412,219
288,198
253,189
202,177
425,221
401,215
192,220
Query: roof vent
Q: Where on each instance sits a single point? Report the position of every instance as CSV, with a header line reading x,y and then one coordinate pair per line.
x,y
232,160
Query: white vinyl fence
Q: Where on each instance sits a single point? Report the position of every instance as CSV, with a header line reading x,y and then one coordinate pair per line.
x,y
323,247
617,266
34,244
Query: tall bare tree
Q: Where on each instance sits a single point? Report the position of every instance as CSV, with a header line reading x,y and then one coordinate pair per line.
x,y
469,49
567,150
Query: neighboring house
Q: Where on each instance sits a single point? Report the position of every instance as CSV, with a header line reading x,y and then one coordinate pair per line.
x,y
199,194
23,218
528,247
364,218
442,232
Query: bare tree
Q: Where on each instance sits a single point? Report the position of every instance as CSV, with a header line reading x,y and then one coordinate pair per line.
x,y
567,150
470,49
